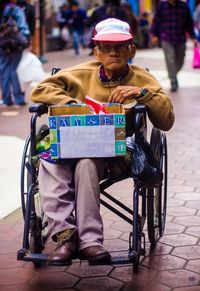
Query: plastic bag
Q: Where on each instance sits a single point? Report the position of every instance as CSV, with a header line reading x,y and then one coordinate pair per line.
x,y
144,166
64,34
30,69
196,58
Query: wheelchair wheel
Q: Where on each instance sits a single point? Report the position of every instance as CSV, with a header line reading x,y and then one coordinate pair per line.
x,y
37,220
157,196
25,173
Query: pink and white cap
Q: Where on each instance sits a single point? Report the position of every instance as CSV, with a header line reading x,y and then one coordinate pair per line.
x,y
112,29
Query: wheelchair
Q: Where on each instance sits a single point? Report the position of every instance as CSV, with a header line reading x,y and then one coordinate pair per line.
x,y
149,204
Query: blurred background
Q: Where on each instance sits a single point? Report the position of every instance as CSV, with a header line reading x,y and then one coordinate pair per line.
x,y
46,35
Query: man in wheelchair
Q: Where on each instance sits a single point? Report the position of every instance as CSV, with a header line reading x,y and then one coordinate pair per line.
x,y
73,185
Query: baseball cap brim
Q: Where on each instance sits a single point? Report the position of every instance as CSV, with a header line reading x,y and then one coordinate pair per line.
x,y
112,37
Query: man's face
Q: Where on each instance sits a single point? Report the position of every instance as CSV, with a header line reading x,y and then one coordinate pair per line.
x,y
114,55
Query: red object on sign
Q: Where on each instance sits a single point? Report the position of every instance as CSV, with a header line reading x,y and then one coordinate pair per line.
x,y
95,106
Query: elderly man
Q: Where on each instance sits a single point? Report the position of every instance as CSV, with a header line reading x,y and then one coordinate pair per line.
x,y
73,185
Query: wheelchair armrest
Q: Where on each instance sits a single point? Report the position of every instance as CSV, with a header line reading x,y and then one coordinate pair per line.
x,y
140,122
39,108
140,108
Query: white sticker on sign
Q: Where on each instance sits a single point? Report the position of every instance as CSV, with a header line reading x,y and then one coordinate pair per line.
x,y
87,141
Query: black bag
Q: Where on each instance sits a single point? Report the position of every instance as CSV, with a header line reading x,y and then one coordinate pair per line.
x,y
11,38
145,169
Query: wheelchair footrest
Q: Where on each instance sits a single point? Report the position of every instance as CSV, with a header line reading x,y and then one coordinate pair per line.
x,y
43,258
117,260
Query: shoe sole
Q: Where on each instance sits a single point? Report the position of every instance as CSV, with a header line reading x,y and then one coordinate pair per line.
x,y
98,260
59,263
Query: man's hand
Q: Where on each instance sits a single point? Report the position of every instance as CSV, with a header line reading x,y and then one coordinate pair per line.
x,y
122,93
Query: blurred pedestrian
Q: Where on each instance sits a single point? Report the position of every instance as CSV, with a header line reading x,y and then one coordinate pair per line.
x,y
63,30
171,22
76,20
144,30
29,11
9,60
131,17
91,10
197,21
60,16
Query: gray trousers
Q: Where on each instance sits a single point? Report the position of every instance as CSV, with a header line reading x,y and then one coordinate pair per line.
x,y
174,57
71,198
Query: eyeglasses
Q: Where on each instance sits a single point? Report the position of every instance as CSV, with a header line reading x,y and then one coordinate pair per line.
x,y
121,48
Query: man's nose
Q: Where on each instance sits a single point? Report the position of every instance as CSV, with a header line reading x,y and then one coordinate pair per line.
x,y
114,49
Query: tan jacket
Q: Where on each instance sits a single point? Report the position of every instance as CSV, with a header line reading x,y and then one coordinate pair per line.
x,y
81,80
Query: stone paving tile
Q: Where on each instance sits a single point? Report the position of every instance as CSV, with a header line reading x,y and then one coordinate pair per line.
x,y
180,189
195,183
173,228
19,287
178,278
126,274
181,211
194,265
15,276
9,234
159,249
187,220
179,240
7,247
121,226
84,270
174,181
193,230
99,283
48,281
193,204
172,202
163,262
197,288
188,196
187,252
151,286
9,261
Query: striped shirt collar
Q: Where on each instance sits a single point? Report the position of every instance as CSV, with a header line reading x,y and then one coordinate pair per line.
x,y
104,78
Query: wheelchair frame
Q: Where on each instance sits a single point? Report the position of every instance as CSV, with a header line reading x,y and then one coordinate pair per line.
x,y
153,207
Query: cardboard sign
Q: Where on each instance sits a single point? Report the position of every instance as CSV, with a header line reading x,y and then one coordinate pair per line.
x,y
86,135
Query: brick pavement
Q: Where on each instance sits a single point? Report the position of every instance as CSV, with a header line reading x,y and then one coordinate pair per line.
x,y
175,262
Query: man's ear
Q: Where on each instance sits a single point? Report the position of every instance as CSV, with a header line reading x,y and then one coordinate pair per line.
x,y
96,53
132,51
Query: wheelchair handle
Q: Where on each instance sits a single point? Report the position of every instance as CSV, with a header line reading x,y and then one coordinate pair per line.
x,y
39,108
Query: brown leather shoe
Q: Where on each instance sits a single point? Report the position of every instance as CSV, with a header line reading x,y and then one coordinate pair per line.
x,y
64,252
95,255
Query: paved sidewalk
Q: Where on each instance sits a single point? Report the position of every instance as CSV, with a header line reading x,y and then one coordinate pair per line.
x,y
175,262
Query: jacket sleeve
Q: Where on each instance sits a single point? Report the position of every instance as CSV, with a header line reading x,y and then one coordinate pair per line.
x,y
160,109
53,91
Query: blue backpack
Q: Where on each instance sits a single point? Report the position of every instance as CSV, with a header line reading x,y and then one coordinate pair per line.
x,y
11,38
